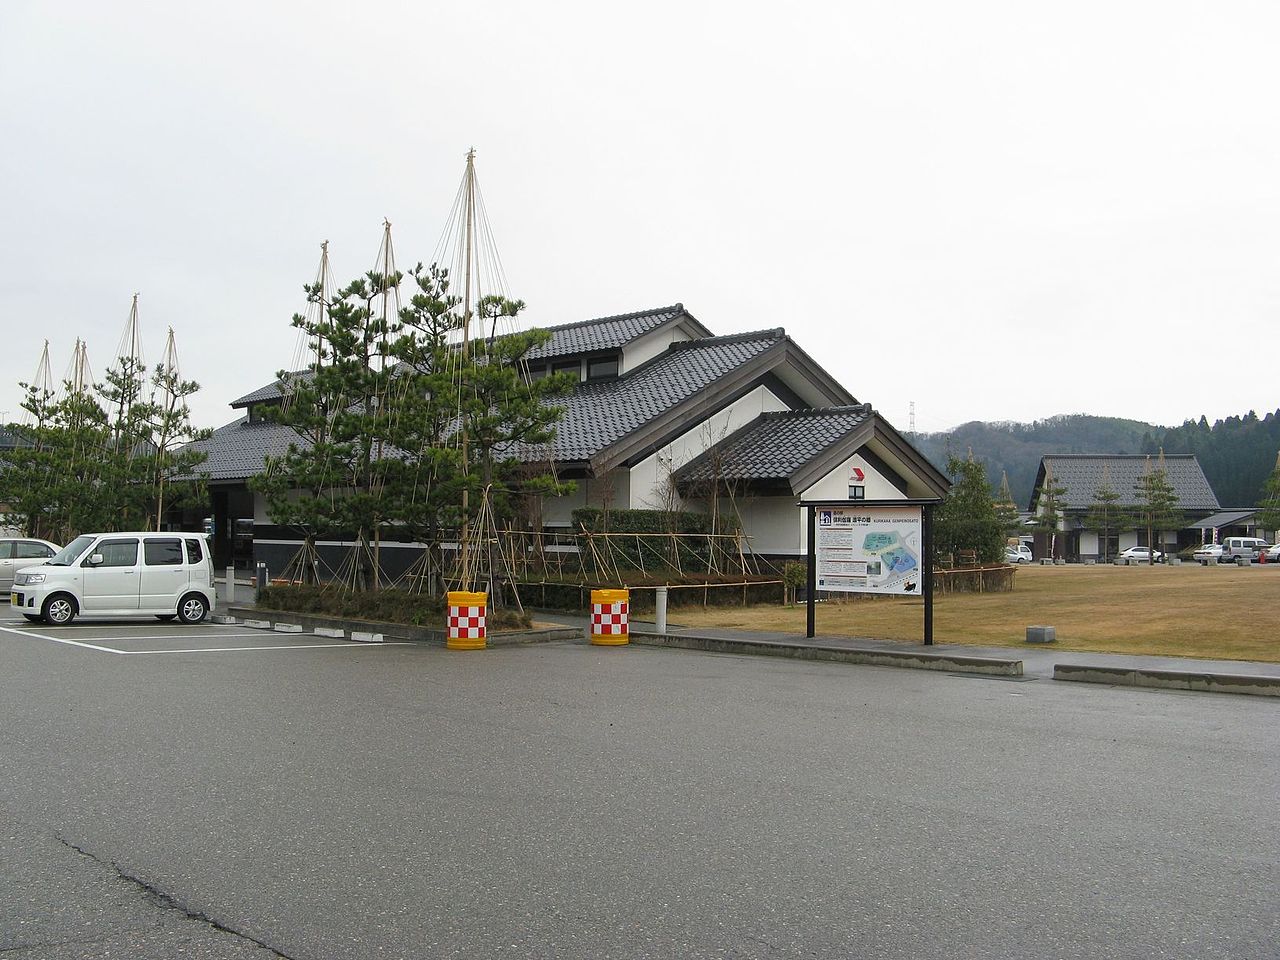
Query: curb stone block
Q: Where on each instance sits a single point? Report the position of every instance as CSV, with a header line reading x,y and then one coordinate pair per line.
x,y
258,624
330,632
288,628
361,637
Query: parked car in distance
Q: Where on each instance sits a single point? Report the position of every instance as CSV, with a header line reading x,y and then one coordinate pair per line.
x,y
1141,555
1236,547
1273,555
16,552
1208,553
1019,554
165,575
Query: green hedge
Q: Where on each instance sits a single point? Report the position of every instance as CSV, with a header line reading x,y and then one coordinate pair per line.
x,y
688,548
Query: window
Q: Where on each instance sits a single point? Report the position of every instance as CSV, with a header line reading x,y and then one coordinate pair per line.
x,y
568,366
602,367
194,552
162,553
26,550
6,549
116,553
536,373
857,492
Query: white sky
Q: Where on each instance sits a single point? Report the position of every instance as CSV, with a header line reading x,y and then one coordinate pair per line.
x,y
997,210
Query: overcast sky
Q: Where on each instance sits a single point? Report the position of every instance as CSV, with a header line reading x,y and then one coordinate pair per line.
x,y
999,211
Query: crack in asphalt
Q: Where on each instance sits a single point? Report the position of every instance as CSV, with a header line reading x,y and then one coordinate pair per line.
x,y
165,901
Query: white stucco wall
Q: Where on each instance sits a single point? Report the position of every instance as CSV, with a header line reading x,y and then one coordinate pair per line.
x,y
771,526
835,485
648,347
649,476
558,511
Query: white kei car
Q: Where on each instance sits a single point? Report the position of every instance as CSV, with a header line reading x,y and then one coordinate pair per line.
x,y
165,575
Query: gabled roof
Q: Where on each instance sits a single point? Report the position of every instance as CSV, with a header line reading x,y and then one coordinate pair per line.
x,y
610,333
1082,473
599,415
567,339
802,446
237,451
1227,518
775,445
272,391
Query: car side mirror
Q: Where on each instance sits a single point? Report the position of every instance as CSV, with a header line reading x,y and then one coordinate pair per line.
x,y
95,560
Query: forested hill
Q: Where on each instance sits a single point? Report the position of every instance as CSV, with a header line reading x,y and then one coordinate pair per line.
x,y
1237,454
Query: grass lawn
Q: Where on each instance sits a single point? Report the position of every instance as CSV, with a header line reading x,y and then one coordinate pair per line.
x,y
1215,612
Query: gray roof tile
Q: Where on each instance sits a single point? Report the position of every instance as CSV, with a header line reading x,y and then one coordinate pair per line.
x,y
776,445
601,413
238,450
1081,475
596,414
603,333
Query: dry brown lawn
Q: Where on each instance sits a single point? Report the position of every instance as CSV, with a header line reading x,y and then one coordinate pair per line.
x,y
1214,612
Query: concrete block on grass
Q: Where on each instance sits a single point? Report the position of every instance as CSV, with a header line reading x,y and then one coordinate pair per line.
x,y
1041,634
361,637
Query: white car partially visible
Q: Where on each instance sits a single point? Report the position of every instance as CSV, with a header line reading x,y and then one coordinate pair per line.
x,y
1208,553
1141,555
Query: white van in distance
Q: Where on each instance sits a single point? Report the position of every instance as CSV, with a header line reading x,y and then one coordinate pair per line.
x,y
165,575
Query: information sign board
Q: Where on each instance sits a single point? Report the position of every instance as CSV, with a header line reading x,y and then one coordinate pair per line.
x,y
870,549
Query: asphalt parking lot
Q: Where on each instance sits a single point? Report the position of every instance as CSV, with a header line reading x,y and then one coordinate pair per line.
x,y
222,792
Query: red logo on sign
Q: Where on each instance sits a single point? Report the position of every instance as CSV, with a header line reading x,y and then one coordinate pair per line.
x,y
858,474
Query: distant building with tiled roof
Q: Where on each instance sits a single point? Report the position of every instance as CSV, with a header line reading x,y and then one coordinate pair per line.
x,y
659,397
1080,475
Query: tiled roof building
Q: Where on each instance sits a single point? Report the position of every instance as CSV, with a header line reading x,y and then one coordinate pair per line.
x,y
659,398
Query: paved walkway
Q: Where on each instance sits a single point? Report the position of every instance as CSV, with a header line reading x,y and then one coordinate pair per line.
x,y
1037,659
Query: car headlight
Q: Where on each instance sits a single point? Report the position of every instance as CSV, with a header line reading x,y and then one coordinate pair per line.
x,y
26,579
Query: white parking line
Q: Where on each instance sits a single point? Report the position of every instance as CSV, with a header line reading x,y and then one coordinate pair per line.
x,y
296,646
134,653
73,643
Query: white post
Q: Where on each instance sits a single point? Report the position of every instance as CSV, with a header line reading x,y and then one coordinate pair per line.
x,y
660,604
230,592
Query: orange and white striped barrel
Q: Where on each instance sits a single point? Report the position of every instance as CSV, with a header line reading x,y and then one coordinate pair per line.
x,y
466,620
609,617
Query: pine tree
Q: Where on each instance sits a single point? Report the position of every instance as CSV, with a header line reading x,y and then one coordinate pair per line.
x,y
343,409
967,519
1105,515
1048,513
1006,509
1269,503
1157,504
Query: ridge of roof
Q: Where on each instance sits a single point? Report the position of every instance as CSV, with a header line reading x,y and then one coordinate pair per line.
x,y
771,333
1114,456
634,314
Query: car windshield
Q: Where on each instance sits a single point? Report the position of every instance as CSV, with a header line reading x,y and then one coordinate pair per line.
x,y
70,553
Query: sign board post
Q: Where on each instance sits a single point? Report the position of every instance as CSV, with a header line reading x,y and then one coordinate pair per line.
x,y
871,546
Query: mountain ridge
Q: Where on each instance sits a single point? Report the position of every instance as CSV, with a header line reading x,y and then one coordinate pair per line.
x,y
1237,453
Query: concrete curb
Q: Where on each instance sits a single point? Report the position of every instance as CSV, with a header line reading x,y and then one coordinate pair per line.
x,y
1257,686
338,627
910,659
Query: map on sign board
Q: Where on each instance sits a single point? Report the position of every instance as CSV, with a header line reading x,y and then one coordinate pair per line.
x,y
869,549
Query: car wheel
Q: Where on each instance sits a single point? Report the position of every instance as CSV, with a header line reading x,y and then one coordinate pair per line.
x,y
59,609
165,617
192,608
